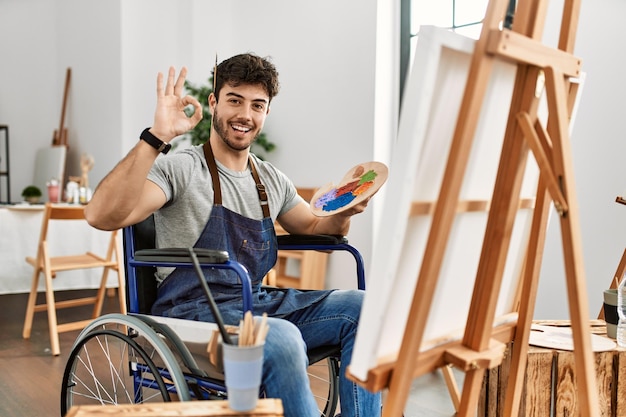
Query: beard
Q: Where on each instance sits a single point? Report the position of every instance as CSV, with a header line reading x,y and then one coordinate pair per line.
x,y
222,129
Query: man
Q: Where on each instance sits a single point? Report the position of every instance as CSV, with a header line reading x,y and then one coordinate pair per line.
x,y
207,196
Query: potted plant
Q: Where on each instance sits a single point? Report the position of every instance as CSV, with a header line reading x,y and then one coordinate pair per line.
x,y
32,194
200,134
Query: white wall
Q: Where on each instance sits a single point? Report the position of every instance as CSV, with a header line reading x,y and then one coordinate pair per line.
x,y
32,82
323,119
39,40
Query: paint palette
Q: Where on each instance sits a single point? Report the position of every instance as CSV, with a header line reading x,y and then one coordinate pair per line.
x,y
359,183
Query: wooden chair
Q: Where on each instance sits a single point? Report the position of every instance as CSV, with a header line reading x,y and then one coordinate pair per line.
x,y
49,265
309,265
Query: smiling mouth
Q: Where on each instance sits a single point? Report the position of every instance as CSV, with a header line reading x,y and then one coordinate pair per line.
x,y
240,128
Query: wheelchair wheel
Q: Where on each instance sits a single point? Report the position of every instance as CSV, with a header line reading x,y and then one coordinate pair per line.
x,y
324,378
118,359
102,369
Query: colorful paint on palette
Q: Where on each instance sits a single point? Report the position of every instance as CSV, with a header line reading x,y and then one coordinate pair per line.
x,y
337,198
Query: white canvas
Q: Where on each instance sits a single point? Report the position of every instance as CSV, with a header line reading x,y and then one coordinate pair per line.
x,y
49,164
432,99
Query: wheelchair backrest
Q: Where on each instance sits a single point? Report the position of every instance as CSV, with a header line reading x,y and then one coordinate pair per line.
x,y
136,237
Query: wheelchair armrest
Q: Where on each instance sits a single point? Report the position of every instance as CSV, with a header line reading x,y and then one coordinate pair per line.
x,y
181,255
324,243
311,239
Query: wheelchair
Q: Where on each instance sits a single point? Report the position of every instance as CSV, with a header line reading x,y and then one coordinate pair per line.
x,y
140,358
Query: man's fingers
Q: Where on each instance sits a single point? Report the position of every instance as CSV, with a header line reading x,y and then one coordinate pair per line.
x,y
180,82
169,87
358,209
197,114
160,84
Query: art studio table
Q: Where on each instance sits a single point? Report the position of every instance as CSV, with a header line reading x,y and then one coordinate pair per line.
x,y
20,226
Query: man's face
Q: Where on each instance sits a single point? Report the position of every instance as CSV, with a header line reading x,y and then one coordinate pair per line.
x,y
239,115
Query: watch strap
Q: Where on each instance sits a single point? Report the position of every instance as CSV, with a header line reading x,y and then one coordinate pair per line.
x,y
155,142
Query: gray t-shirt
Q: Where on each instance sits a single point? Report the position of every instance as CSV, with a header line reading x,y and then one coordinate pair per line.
x,y
185,179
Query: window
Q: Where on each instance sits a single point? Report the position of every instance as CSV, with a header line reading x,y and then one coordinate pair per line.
x,y
462,16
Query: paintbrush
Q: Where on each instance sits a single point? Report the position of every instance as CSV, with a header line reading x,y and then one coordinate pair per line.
x,y
252,332
212,304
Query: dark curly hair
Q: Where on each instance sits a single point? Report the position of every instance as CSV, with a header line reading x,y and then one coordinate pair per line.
x,y
247,69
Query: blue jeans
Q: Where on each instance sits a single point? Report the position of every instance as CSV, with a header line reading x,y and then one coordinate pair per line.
x,y
332,321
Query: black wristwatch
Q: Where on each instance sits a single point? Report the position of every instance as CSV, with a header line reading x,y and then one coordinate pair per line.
x,y
155,142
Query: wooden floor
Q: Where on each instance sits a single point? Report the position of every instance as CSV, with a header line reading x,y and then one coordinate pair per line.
x,y
30,377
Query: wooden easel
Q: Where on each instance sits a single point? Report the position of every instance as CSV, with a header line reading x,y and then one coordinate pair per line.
x,y
621,267
619,273
60,135
483,343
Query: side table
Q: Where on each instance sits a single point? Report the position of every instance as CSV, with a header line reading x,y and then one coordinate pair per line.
x,y
550,385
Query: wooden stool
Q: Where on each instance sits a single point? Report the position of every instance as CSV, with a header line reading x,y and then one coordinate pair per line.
x,y
550,381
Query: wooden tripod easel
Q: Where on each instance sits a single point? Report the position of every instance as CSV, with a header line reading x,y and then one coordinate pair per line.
x,y
483,344
60,136
621,267
619,273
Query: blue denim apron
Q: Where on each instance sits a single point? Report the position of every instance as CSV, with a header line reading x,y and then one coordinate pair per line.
x,y
249,242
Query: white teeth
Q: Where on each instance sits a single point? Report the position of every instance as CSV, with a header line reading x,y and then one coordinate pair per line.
x,y
241,128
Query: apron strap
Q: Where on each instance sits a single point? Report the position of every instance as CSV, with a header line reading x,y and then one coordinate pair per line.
x,y
210,160
260,188
217,189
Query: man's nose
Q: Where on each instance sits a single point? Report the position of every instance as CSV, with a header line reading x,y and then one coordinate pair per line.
x,y
245,112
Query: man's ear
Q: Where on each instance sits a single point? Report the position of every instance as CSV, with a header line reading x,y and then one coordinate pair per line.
x,y
212,101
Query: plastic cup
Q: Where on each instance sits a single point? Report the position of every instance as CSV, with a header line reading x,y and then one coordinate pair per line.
x,y
53,193
243,366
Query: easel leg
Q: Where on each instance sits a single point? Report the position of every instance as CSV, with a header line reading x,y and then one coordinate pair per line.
x,y
526,309
453,388
471,392
619,273
572,245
